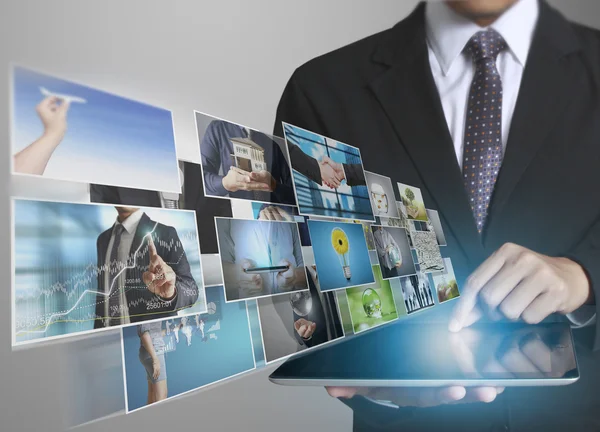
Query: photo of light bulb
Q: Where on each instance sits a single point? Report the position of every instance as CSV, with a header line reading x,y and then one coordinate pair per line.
x,y
339,241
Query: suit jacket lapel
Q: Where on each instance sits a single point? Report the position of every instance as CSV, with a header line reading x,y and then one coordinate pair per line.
x,y
544,94
408,95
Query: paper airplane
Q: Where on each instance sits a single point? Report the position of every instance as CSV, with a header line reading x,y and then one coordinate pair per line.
x,y
66,98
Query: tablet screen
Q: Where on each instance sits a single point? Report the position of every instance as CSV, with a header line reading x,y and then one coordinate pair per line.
x,y
417,351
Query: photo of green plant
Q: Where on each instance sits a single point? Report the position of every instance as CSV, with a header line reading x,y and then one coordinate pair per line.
x,y
445,282
412,199
371,305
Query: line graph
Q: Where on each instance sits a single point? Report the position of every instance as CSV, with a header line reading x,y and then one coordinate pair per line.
x,y
89,291
65,271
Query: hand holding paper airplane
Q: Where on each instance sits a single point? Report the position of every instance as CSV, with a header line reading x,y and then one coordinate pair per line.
x,y
63,97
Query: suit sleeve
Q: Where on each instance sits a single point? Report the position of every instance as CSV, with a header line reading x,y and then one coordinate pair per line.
x,y
211,161
186,288
355,175
280,170
587,255
305,164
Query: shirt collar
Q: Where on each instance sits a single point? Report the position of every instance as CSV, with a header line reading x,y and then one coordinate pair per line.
x,y
449,32
131,223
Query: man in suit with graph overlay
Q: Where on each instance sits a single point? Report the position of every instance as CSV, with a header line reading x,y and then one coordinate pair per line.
x,y
143,271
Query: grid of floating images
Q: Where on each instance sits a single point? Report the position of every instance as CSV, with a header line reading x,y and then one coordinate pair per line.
x,y
304,247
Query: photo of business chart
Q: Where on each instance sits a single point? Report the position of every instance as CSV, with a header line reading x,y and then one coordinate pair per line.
x,y
82,268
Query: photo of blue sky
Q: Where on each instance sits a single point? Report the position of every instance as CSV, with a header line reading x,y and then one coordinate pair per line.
x,y
56,264
194,359
329,267
109,140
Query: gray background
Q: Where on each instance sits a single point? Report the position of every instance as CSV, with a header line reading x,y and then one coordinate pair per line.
x,y
230,58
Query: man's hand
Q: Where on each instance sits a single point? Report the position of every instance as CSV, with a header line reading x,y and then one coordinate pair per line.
x,y
53,114
264,177
518,283
155,368
419,397
238,179
305,328
160,277
274,213
286,278
338,168
250,284
329,177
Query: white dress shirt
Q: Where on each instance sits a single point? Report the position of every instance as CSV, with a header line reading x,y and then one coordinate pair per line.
x,y
130,226
453,68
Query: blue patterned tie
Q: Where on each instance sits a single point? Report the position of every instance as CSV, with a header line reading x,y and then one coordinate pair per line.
x,y
482,154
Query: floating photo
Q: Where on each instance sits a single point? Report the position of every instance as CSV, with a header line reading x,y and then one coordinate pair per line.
x,y
165,359
329,178
445,282
240,162
260,258
67,131
412,199
294,322
191,198
372,305
436,226
381,192
341,254
86,267
393,251
416,292
426,247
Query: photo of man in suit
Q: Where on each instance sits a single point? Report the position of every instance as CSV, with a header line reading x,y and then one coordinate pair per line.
x,y
487,106
143,271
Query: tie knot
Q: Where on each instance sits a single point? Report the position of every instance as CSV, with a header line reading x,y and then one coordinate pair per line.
x,y
118,229
486,44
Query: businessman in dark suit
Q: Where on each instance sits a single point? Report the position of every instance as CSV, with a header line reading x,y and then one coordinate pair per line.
x,y
143,271
491,107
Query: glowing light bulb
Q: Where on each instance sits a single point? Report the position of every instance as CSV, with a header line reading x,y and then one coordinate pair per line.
x,y
339,241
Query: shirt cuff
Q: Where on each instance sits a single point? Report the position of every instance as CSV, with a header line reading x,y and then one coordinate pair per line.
x,y
384,403
583,317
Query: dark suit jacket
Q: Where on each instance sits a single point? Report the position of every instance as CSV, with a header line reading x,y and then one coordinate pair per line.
x,y
193,199
379,94
143,304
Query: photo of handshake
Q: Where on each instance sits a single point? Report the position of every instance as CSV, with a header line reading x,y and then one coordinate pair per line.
x,y
332,173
